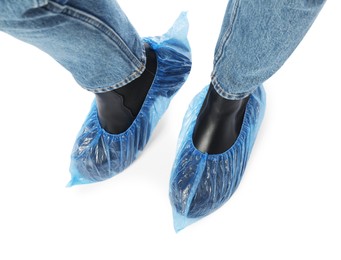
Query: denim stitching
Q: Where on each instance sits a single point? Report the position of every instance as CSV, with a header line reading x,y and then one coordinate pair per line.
x,y
120,84
95,22
98,24
218,56
228,31
227,95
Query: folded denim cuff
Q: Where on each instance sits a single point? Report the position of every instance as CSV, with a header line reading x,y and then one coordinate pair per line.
x,y
229,95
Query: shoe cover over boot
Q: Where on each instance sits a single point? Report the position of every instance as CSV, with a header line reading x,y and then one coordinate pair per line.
x,y
98,155
200,183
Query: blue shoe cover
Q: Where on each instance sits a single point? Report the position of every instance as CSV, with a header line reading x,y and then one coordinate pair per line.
x,y
200,183
98,155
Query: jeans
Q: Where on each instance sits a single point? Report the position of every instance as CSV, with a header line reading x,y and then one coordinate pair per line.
x,y
95,41
92,39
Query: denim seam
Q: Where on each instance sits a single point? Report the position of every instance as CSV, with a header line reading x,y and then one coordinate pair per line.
x,y
109,32
228,32
227,95
218,56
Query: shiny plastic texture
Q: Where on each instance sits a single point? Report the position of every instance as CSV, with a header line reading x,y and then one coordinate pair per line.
x,y
200,183
98,155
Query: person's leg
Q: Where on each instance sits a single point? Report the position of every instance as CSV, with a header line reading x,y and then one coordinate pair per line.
x,y
256,39
97,154
95,42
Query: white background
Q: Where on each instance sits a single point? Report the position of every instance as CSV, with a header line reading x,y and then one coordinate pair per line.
x,y
287,206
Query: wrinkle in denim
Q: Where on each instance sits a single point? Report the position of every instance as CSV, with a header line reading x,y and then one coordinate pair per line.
x,y
10,9
256,38
95,41
100,47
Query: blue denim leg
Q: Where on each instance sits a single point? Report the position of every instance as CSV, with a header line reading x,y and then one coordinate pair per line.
x,y
256,38
92,39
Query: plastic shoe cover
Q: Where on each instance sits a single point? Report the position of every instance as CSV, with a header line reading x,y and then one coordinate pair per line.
x,y
200,182
98,155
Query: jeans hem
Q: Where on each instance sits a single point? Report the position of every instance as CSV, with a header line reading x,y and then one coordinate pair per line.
x,y
225,94
138,64
137,73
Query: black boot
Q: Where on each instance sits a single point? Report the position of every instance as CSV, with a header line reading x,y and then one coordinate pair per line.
x,y
117,109
218,123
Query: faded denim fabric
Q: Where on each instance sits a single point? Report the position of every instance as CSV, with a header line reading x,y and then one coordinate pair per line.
x,y
257,37
95,41
92,39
